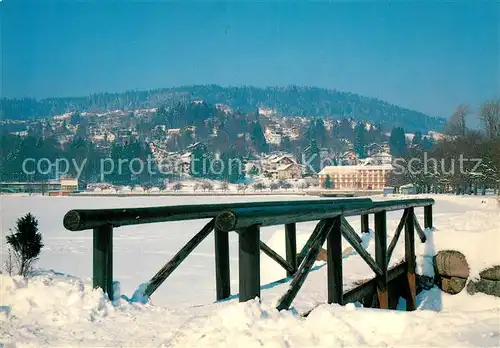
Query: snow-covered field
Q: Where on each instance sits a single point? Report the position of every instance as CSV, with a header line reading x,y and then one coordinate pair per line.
x,y
59,308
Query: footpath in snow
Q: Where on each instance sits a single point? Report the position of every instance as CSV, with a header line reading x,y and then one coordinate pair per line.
x,y
56,309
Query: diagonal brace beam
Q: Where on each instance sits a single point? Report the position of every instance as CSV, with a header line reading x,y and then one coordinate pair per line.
x,y
418,229
310,241
395,239
181,255
349,234
322,230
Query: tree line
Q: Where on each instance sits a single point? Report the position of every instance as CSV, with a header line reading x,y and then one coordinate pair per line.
x,y
288,101
464,161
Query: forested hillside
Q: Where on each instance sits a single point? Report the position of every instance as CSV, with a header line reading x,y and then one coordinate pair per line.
x,y
288,101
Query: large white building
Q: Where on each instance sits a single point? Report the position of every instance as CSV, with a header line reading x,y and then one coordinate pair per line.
x,y
358,177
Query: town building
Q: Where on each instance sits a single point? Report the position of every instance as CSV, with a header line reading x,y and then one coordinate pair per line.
x,y
69,185
66,187
357,177
408,189
274,161
289,171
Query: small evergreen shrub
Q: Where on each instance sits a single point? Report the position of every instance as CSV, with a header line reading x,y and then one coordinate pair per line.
x,y
25,245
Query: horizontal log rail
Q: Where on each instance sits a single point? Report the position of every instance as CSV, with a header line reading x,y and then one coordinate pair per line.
x,y
246,219
238,218
85,219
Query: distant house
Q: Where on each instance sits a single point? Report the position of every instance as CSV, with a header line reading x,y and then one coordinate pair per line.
x,y
388,190
69,185
373,149
186,162
174,131
379,159
437,136
289,171
349,158
408,189
266,111
273,137
274,161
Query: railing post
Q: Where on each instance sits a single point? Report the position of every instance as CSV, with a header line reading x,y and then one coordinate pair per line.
x,y
411,301
428,216
291,247
365,223
103,259
222,272
249,263
334,263
381,257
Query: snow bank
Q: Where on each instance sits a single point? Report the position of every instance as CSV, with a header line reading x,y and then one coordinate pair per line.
x,y
55,298
254,324
54,310
473,230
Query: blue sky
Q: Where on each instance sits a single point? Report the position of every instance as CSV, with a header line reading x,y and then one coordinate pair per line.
x,y
427,56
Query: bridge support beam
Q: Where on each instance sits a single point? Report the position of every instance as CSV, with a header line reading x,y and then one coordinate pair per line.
x,y
334,263
365,223
249,263
381,257
411,301
103,259
291,247
222,271
428,216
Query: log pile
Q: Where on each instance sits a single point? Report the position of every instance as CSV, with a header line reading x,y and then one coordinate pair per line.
x,y
452,274
488,283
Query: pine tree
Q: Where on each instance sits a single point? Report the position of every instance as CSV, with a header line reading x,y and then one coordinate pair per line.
x,y
312,160
417,139
328,182
198,162
26,243
360,139
258,138
397,142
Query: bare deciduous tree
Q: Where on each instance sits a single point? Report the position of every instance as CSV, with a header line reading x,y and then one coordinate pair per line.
x,y
490,118
9,264
224,186
457,124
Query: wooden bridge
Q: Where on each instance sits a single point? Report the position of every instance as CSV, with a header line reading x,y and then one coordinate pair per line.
x,y
246,219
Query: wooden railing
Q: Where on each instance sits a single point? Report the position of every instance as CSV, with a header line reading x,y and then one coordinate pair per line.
x,y
246,219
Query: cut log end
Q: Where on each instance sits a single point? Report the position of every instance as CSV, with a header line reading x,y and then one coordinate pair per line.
x,y
71,220
451,263
226,221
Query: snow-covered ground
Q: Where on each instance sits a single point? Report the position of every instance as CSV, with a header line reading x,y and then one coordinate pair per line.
x,y
59,308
